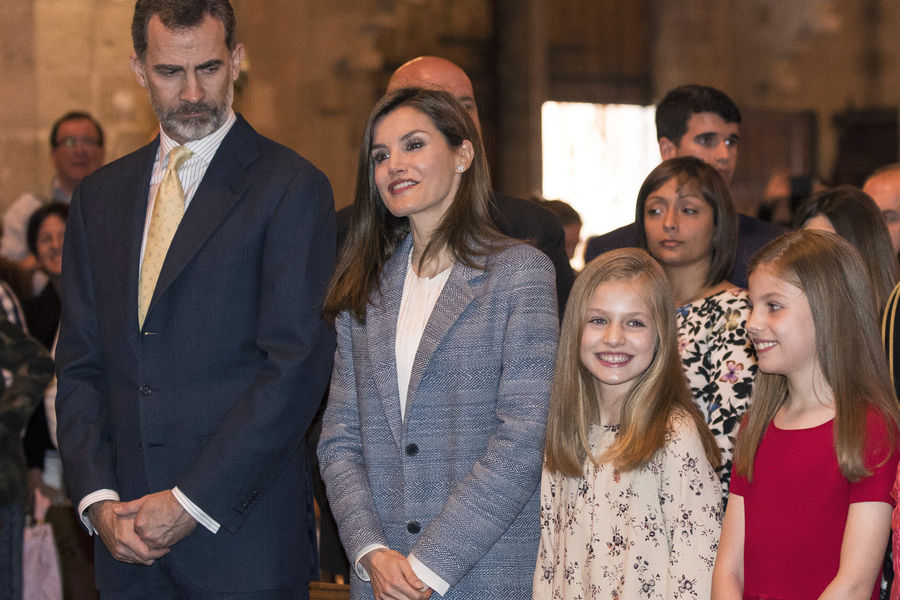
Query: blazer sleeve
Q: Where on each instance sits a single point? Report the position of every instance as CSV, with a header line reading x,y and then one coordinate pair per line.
x,y
81,401
341,457
265,426
485,503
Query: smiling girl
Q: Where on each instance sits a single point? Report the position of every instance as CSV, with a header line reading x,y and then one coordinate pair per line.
x,y
810,506
630,505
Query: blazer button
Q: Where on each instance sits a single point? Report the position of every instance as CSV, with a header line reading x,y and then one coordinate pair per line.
x,y
145,390
413,527
412,450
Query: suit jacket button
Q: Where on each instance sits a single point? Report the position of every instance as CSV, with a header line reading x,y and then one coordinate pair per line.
x,y
145,390
412,450
413,527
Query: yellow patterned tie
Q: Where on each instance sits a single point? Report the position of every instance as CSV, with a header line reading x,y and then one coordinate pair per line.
x,y
168,208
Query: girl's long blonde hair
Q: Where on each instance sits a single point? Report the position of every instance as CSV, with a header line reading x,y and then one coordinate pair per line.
x,y
656,394
831,273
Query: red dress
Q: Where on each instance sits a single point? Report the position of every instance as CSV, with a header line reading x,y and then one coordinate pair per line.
x,y
796,507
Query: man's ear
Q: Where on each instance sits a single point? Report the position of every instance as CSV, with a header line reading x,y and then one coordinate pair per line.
x,y
667,148
237,57
137,66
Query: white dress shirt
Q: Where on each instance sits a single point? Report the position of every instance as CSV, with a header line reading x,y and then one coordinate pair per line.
x,y
420,294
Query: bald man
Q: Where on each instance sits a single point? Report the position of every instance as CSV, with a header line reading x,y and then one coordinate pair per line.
x,y
884,187
515,217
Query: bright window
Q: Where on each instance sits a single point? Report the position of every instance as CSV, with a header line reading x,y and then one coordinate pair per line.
x,y
595,158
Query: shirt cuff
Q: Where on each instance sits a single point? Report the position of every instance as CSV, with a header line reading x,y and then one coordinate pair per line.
x,y
357,566
192,509
429,577
90,499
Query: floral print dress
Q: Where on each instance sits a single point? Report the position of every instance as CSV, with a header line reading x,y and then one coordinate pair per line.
x,y
652,532
720,364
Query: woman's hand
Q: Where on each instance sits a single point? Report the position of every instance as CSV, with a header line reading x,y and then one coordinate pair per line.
x,y
392,576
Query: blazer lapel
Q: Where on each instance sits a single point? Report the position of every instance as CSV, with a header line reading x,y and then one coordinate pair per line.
x,y
221,188
125,230
453,300
381,335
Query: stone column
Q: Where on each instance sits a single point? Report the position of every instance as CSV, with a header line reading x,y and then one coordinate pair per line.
x,y
521,89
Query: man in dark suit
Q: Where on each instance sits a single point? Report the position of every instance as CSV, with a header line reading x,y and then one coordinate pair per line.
x,y
184,401
699,121
516,217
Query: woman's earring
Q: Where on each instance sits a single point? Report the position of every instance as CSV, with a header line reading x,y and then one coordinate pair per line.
x,y
459,168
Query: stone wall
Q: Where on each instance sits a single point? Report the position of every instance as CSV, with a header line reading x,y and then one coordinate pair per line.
x,y
314,69
313,72
57,56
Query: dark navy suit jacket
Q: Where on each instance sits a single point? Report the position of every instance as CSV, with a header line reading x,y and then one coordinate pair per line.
x,y
753,234
214,393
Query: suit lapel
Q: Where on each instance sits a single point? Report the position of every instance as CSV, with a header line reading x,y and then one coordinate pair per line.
x,y
453,300
381,334
125,230
221,188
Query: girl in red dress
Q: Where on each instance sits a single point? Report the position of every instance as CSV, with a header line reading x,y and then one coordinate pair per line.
x,y
810,506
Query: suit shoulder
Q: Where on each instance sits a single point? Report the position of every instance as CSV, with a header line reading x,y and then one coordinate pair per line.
x,y
267,159
109,182
525,219
124,167
276,155
753,227
623,237
519,206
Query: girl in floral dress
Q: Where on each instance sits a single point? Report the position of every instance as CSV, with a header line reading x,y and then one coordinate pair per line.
x,y
687,221
630,504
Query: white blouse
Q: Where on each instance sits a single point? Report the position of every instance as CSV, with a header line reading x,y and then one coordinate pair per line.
x,y
419,297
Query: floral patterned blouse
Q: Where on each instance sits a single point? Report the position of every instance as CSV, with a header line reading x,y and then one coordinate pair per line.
x,y
720,364
652,532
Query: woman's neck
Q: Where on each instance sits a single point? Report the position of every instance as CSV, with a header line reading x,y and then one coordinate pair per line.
x,y
688,282
437,261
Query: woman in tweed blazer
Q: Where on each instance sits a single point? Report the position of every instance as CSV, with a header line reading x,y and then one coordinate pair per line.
x,y
434,485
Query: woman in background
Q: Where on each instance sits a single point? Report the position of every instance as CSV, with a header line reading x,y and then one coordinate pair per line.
x,y
45,234
853,215
687,221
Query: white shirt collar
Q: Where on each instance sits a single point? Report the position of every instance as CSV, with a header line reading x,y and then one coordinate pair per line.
x,y
205,148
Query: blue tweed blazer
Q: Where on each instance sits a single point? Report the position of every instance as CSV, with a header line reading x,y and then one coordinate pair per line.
x,y
456,483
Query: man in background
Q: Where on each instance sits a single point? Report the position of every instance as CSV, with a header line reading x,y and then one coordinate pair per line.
x,y
76,150
699,121
884,187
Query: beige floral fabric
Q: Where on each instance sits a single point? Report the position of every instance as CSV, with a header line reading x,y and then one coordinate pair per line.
x,y
648,533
